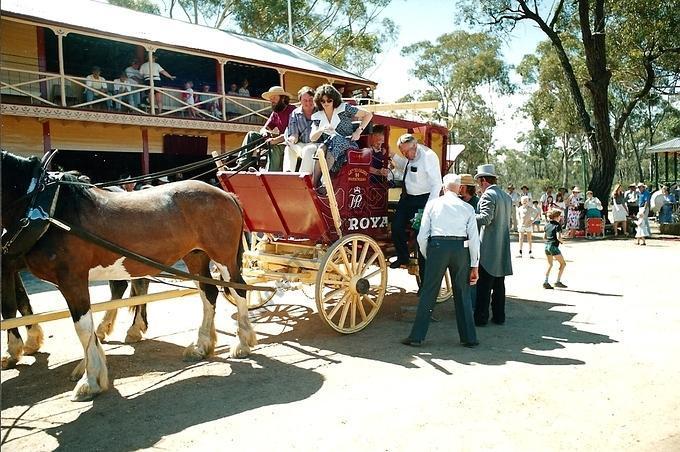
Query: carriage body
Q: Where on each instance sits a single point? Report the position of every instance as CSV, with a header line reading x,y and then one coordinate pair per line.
x,y
299,238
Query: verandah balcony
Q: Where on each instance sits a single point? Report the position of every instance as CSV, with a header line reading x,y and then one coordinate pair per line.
x,y
22,86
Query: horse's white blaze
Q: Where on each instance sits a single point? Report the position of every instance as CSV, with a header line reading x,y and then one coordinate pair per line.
x,y
95,379
245,332
114,271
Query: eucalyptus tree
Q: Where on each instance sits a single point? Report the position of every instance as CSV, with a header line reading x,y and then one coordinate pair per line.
x,y
347,33
645,31
457,67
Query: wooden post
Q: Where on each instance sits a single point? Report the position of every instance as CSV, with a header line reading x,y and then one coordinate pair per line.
x,y
665,158
145,151
223,143
62,79
222,91
281,81
152,92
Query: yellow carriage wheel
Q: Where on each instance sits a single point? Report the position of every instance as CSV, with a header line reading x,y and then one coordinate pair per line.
x,y
351,283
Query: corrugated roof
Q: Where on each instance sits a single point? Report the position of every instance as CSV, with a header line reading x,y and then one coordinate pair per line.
x,y
672,145
114,20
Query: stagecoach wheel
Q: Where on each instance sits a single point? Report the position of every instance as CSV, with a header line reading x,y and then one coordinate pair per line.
x,y
446,289
351,283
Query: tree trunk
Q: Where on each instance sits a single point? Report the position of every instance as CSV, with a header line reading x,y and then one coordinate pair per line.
x,y
603,162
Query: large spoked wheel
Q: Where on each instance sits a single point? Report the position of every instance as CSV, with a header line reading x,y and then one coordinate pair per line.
x,y
351,283
446,289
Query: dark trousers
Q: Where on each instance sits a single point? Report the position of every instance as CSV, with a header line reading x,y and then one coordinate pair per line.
x,y
443,254
406,209
490,288
246,159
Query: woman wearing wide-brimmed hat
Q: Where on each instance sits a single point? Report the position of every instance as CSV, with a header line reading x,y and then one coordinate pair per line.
x,y
573,210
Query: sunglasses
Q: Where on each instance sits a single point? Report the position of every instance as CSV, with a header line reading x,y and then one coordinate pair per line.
x,y
326,101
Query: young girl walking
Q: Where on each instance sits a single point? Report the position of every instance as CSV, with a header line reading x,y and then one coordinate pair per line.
x,y
553,238
526,214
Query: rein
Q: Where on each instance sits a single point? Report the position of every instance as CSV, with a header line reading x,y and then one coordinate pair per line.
x,y
90,237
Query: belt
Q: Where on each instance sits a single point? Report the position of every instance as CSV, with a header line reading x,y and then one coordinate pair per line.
x,y
447,237
418,196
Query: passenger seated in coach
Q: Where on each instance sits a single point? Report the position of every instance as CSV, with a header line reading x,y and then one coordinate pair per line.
x,y
378,169
332,123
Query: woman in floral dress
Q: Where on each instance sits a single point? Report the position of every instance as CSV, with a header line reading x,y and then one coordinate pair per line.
x,y
573,211
333,123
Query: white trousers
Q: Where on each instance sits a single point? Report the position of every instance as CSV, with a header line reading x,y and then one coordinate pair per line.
x,y
305,151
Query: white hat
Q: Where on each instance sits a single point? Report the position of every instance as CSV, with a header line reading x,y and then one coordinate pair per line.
x,y
275,91
485,170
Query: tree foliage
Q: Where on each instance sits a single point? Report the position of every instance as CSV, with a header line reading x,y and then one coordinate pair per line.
x,y
628,45
455,67
348,33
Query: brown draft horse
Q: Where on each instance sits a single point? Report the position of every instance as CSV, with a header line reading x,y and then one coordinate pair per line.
x,y
187,220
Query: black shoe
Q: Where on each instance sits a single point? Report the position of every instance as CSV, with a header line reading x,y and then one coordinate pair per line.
x,y
396,264
547,285
478,323
498,322
560,285
321,191
470,344
411,342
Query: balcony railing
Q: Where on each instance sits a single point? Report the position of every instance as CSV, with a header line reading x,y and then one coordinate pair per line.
x,y
65,91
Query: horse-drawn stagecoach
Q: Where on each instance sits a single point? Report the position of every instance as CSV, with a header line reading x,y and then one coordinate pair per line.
x,y
280,234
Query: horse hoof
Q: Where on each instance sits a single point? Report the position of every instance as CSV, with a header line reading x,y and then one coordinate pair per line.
x,y
193,353
131,338
34,341
83,392
8,362
239,350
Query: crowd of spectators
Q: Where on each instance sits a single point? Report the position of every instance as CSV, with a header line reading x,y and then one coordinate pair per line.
x,y
626,208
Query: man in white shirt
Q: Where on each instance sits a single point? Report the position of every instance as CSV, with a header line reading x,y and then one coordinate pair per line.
x,y
96,86
422,182
154,71
448,239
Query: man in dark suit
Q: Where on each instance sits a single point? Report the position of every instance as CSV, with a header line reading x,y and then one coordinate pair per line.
x,y
495,263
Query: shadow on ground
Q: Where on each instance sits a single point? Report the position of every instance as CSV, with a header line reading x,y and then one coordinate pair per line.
x,y
117,423
532,327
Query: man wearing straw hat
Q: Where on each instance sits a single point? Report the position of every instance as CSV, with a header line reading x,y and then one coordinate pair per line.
x,y
495,263
273,129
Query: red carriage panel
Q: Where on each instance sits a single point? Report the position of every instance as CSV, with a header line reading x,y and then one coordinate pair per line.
x,y
279,203
286,204
362,204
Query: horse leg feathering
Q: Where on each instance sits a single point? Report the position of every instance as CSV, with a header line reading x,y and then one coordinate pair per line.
x,y
199,263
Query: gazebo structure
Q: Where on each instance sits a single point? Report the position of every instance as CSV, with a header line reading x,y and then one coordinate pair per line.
x,y
667,149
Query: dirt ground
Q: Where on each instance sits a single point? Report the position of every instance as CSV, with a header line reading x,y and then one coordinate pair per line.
x,y
592,367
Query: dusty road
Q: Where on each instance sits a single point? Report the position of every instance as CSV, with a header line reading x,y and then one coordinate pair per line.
x,y
593,367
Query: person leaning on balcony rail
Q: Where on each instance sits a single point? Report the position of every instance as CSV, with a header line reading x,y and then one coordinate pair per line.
x,y
298,144
134,78
122,85
212,106
273,129
155,70
96,86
